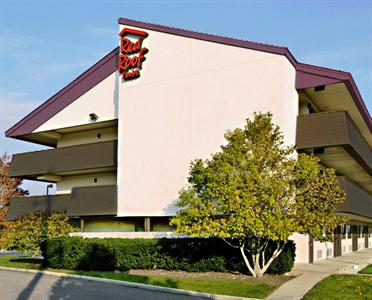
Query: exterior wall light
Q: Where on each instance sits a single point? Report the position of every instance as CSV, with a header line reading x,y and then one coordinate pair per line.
x,y
93,117
49,186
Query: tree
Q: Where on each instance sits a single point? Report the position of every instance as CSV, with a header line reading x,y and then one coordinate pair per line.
x,y
256,190
9,188
26,235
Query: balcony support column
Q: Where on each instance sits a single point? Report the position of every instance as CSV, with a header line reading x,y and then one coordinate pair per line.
x,y
147,224
82,225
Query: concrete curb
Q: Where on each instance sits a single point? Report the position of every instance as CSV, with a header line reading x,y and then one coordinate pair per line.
x,y
132,284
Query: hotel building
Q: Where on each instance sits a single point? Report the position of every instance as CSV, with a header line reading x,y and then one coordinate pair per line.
x,y
123,133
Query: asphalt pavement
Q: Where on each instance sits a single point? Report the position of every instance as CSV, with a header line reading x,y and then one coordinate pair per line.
x,y
37,286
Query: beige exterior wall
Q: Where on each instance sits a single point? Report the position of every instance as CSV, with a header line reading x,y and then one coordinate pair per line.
x,y
101,100
189,93
88,137
68,182
302,247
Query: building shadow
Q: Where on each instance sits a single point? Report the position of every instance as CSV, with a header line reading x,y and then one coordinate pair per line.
x,y
26,293
70,288
65,288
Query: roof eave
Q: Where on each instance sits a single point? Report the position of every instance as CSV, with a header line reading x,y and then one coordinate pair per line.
x,y
80,85
212,38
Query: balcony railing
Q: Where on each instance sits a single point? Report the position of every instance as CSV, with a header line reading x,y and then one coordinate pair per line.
x,y
327,129
358,201
60,161
24,205
83,201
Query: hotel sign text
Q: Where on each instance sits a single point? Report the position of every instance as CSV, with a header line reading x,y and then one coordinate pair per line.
x,y
132,54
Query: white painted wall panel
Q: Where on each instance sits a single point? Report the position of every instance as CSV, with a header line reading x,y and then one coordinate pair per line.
x,y
302,247
68,182
346,245
361,243
189,93
101,99
88,137
322,250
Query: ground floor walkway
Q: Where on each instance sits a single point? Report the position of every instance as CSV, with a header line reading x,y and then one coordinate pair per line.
x,y
310,274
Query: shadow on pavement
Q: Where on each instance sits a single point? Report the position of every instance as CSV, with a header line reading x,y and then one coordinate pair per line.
x,y
26,293
67,288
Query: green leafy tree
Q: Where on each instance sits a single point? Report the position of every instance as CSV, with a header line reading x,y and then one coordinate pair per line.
x,y
25,235
256,190
9,188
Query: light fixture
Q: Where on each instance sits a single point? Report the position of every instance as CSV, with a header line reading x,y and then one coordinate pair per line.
x,y
93,117
319,88
48,187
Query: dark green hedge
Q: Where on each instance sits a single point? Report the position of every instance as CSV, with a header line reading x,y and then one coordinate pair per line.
x,y
189,254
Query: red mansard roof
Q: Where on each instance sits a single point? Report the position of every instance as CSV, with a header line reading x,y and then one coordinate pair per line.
x,y
307,76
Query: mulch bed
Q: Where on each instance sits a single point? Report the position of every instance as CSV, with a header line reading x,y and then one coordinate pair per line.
x,y
267,279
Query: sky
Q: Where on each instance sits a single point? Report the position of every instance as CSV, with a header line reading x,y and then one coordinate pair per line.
x,y
44,45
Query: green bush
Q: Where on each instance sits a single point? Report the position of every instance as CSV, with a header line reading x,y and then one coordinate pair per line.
x,y
284,262
26,234
189,254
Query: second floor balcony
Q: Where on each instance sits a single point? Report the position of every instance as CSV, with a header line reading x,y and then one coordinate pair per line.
x,y
336,140
82,201
81,159
358,201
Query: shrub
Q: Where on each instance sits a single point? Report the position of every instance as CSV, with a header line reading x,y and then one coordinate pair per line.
x,y
284,262
189,254
25,235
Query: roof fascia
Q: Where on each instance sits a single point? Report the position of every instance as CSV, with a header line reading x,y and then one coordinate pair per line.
x,y
211,38
79,86
309,76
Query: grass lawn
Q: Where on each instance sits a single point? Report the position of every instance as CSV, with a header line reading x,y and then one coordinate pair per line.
x,y
215,286
20,262
233,287
366,270
342,287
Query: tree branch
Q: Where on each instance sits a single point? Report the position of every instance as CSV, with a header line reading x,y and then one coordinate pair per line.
x,y
246,261
230,244
278,250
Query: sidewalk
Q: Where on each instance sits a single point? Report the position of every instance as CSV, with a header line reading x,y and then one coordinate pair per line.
x,y
296,288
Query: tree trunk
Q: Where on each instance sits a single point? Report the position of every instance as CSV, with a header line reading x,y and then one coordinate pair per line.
x,y
258,270
246,261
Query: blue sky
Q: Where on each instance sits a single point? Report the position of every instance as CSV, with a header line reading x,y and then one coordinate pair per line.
x,y
46,44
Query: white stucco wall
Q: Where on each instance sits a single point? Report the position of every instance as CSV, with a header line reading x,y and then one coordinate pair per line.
x,y
189,93
302,247
322,250
346,245
101,100
68,182
130,235
361,243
